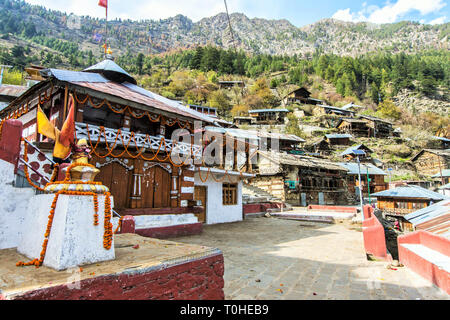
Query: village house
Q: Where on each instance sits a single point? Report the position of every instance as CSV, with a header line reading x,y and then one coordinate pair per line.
x,y
231,84
349,154
379,128
356,127
442,177
321,110
128,130
300,96
398,202
301,180
212,112
429,162
269,116
372,178
339,139
246,121
441,142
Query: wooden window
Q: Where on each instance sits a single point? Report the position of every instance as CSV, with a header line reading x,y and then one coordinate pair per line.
x,y
229,194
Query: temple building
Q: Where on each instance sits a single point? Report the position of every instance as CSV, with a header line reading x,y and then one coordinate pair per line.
x,y
129,133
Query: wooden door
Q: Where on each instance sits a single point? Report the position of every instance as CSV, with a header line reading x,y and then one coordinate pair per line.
x,y
161,191
155,185
116,175
200,193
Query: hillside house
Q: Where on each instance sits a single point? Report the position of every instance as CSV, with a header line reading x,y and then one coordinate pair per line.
x,y
321,147
429,162
212,112
231,84
239,121
372,178
434,219
397,203
442,177
301,180
441,142
379,128
269,116
348,153
300,96
356,127
339,139
321,110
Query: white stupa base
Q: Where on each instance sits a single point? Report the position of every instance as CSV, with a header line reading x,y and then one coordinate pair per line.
x,y
73,240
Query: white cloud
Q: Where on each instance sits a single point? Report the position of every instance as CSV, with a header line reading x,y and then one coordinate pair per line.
x,y
391,12
438,20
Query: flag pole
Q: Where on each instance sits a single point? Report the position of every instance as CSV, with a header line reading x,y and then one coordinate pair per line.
x,y
106,29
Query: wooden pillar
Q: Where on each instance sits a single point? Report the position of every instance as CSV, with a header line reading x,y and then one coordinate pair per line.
x,y
136,185
175,187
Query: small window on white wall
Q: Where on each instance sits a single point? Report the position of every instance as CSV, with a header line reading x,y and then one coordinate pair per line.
x,y
229,194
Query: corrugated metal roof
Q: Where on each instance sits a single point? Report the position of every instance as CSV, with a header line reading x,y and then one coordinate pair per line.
x,y
445,187
442,139
445,173
338,136
353,168
357,147
12,90
435,218
110,69
268,110
280,136
410,191
74,76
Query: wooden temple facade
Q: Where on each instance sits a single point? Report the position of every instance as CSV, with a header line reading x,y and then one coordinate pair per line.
x,y
128,130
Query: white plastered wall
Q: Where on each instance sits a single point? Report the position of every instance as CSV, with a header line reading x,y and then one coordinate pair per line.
x,y
216,212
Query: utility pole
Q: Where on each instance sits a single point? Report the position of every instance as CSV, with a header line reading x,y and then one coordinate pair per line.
x,y
1,72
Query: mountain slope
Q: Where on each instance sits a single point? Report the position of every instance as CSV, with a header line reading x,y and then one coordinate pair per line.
x,y
252,35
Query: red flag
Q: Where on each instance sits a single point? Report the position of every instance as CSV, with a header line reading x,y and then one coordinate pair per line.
x,y
66,137
103,3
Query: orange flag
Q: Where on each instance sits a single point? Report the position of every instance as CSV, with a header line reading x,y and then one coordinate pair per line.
x,y
66,136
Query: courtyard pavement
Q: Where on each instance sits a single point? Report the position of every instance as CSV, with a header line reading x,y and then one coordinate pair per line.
x,y
273,259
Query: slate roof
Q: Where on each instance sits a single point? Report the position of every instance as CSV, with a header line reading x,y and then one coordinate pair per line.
x,y
357,147
410,191
339,136
268,110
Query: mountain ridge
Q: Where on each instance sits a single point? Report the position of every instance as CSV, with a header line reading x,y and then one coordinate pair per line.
x,y
253,35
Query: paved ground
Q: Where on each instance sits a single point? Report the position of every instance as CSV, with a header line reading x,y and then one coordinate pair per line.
x,y
270,258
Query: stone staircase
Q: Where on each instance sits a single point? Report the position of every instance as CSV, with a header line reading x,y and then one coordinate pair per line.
x,y
252,194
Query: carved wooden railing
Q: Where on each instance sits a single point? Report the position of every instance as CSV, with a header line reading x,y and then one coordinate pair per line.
x,y
135,140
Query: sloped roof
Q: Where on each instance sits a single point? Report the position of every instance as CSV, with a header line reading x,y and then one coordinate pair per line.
x,y
443,153
301,161
268,110
10,90
410,191
445,173
112,71
338,136
435,218
357,147
353,168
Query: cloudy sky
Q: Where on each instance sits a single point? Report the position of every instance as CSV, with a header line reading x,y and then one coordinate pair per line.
x,y
298,12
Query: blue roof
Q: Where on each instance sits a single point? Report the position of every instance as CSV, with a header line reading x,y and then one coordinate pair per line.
x,y
445,173
353,168
338,135
437,210
268,110
442,139
410,191
75,76
350,150
108,66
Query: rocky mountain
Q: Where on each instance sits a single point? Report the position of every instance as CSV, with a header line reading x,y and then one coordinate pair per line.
x,y
252,35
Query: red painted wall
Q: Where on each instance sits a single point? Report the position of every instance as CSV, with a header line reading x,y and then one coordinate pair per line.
x,y
10,139
171,231
333,208
425,268
197,280
374,237
260,207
